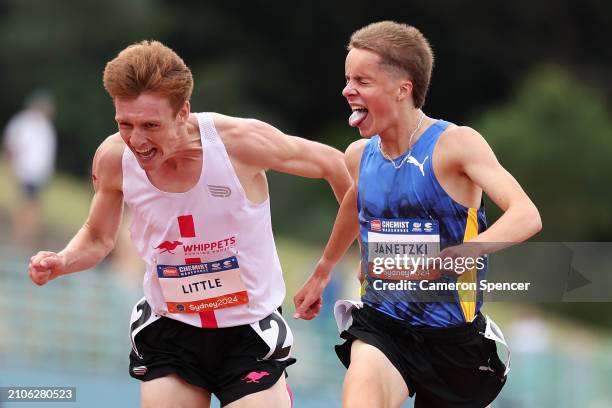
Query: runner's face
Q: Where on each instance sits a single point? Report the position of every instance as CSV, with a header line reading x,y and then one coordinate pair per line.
x,y
149,127
373,92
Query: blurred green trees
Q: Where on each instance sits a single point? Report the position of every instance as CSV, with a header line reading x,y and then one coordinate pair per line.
x,y
555,136
284,63
63,46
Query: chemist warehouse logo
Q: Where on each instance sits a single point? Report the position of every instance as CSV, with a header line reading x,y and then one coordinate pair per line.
x,y
201,248
405,226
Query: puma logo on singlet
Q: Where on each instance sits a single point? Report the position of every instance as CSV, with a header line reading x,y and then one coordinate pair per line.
x,y
414,161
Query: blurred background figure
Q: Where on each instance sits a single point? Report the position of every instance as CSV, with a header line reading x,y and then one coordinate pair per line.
x,y
30,146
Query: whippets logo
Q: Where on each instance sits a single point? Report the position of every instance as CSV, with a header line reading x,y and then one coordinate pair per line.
x,y
200,248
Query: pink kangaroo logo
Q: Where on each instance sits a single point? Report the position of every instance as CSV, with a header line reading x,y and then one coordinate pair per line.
x,y
254,376
168,246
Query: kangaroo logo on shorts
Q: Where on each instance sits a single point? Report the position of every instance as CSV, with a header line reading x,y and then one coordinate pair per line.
x,y
254,377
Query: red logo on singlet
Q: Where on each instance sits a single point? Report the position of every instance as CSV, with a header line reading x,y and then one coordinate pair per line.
x,y
168,246
375,225
170,271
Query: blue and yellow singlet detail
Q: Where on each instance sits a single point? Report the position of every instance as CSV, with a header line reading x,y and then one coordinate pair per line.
x,y
405,211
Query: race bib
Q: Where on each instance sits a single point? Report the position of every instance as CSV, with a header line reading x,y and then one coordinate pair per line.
x,y
402,249
201,287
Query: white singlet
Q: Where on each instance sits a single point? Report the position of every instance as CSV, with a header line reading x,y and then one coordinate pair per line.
x,y
210,255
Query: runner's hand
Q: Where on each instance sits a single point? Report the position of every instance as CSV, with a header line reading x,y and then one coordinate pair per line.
x,y
45,266
459,256
309,299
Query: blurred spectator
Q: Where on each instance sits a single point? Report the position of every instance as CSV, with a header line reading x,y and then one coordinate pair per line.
x,y
30,145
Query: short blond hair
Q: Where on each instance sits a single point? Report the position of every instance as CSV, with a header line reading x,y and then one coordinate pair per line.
x,y
402,47
149,66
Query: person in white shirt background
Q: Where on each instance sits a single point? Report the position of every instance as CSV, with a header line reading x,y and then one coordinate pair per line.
x,y
30,146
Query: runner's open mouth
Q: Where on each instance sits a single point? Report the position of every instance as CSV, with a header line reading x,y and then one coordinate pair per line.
x,y
357,117
146,154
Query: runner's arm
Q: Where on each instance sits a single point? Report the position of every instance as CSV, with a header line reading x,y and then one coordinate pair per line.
x,y
346,227
521,218
97,236
263,146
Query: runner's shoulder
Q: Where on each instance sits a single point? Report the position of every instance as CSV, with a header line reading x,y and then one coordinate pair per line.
x,y
356,148
460,135
107,168
461,141
352,155
231,128
247,140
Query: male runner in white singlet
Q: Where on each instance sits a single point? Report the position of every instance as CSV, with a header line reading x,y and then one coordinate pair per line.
x,y
196,185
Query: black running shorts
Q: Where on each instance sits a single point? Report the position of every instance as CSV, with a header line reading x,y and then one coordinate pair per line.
x,y
228,362
455,367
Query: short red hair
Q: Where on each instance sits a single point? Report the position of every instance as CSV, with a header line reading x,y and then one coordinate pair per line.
x,y
149,66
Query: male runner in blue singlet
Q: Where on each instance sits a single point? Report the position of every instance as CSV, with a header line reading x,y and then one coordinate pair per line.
x,y
416,195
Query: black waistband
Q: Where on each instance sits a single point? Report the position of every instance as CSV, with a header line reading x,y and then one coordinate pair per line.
x,y
420,333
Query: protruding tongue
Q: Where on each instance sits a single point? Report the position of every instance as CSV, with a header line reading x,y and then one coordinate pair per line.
x,y
357,117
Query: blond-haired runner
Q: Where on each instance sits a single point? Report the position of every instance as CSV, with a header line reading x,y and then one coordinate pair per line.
x,y
197,189
416,194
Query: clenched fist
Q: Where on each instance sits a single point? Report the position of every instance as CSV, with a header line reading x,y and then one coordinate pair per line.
x,y
45,266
